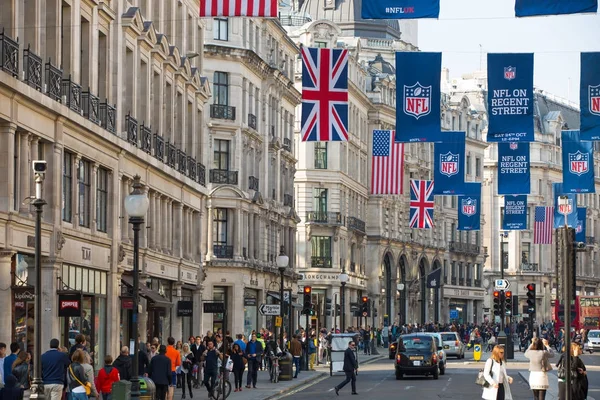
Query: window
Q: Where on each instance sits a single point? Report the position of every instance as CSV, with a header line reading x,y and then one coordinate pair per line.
x,y
468,165
321,251
505,255
320,44
320,198
221,28
525,249
67,187
221,154
220,226
102,199
221,88
478,167
320,155
83,182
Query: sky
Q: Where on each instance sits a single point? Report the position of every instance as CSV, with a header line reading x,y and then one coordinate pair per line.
x,y
466,28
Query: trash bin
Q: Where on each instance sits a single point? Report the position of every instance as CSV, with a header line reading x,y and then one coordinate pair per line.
x,y
147,389
121,390
509,347
285,367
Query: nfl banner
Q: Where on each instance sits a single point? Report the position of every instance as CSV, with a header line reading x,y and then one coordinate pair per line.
x,y
418,78
400,9
469,209
513,168
530,8
565,208
578,164
515,213
581,224
589,96
449,162
510,97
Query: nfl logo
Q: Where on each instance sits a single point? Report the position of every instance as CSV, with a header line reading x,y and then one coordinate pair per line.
x,y
417,100
594,92
579,227
514,146
566,209
579,163
510,73
469,206
449,164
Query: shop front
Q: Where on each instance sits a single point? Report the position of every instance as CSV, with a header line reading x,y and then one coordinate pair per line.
x,y
250,311
23,299
463,306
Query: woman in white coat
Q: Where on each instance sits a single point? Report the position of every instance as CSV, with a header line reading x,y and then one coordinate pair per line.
x,y
495,374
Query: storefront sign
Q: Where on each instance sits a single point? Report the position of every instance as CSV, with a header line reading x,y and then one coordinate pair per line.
x,y
331,277
185,308
23,293
127,303
249,301
459,293
19,304
69,305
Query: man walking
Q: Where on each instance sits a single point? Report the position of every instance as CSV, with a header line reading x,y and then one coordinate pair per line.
x,y
9,360
350,367
124,364
54,371
211,368
160,372
254,350
175,358
296,350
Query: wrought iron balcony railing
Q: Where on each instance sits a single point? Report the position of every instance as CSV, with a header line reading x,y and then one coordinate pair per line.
x,y
201,174
71,91
53,82
192,168
219,111
287,145
159,147
108,115
181,161
171,155
252,121
357,224
453,280
590,240
32,65
146,138
288,200
91,106
320,262
224,176
131,127
529,267
477,283
223,251
253,183
460,247
9,54
323,217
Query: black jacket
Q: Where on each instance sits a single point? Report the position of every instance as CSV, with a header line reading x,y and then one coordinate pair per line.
x,y
350,363
11,391
160,369
143,362
21,372
125,366
77,370
197,350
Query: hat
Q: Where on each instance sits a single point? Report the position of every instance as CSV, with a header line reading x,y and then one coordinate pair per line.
x,y
258,335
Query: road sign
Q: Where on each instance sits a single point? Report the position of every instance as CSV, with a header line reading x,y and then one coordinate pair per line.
x,y
214,308
269,309
364,314
278,321
501,284
453,314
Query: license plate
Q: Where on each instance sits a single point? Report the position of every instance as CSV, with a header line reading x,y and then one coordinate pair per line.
x,y
446,346
416,357
417,363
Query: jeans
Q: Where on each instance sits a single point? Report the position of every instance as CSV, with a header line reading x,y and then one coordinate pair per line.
x,y
79,396
252,372
350,377
186,377
53,391
238,374
209,379
367,347
297,365
106,396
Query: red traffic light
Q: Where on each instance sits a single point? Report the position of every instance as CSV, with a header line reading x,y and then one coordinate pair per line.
x,y
531,287
307,289
507,294
365,299
496,294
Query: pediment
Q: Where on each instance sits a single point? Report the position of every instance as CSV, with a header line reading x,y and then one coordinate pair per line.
x,y
132,19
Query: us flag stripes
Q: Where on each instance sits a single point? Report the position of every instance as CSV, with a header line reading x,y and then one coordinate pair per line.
x,y
544,222
238,8
387,169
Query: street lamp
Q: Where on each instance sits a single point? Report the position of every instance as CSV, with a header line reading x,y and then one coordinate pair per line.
x,y
282,263
401,305
343,280
136,206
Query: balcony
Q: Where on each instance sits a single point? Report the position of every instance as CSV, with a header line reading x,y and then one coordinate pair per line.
x,y
293,20
287,145
320,262
219,111
253,183
53,81
131,127
108,114
71,91
288,200
91,106
201,174
357,224
252,121
352,267
466,248
461,281
223,251
171,155
590,240
469,282
146,138
477,283
181,161
9,54
323,217
192,168
453,280
32,65
529,267
159,147
223,176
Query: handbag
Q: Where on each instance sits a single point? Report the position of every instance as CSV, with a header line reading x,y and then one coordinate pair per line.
x,y
229,364
481,381
546,366
87,386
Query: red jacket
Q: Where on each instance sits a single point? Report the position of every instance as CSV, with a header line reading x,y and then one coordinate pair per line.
x,y
105,380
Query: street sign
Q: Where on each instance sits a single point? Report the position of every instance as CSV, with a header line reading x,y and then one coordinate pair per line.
x,y
501,284
214,308
364,314
269,309
278,321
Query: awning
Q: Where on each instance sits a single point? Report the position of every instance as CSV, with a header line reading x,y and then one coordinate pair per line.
x,y
147,293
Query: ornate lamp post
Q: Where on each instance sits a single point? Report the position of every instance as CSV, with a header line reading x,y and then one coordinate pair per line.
x,y
343,280
136,206
282,263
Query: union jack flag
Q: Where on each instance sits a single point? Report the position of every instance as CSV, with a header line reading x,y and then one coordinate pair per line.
x,y
324,95
421,204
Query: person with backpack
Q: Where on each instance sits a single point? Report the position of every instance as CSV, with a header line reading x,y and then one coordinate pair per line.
x,y
495,375
106,377
20,369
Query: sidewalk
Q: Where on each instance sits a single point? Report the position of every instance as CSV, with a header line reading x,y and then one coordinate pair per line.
x,y
552,392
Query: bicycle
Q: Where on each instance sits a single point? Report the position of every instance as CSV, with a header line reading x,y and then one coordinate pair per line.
x,y
217,393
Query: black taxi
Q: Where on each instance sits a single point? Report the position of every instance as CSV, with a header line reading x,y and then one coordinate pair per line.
x,y
417,355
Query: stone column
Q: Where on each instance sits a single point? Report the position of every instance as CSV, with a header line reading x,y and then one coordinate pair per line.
x,y
24,173
237,232
124,217
251,236
170,216
209,234
191,234
470,310
75,190
165,222
176,325
151,224
7,157
180,225
50,320
33,155
6,296
201,245
157,229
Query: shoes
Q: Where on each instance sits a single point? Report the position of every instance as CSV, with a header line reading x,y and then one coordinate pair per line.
x,y
354,393
183,396
337,391
295,376
247,386
253,387
191,395
240,390
236,389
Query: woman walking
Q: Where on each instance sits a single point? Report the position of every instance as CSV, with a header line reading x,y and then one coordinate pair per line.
x,y
76,378
538,354
239,365
579,381
495,375
20,369
187,365
90,375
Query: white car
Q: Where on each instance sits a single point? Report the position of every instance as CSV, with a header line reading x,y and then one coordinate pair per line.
x,y
594,339
453,346
440,348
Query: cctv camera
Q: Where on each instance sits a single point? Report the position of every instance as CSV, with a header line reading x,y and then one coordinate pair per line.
x,y
39,166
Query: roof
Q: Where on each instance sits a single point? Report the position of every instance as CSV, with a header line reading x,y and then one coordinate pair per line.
x,y
548,108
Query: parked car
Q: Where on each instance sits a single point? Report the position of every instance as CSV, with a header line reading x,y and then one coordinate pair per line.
x,y
417,354
453,346
593,337
392,350
441,353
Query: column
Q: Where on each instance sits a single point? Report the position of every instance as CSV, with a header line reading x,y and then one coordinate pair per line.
x,y
151,224
24,176
170,216
180,226
190,234
470,311
237,231
201,245
209,234
5,296
251,236
164,224
7,179
75,190
93,188
157,228
124,222
176,326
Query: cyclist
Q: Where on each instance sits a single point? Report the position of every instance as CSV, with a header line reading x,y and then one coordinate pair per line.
x,y
211,358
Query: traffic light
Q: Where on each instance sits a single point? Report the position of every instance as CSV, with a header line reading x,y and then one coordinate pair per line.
x,y
508,303
364,307
374,312
497,305
327,306
307,304
531,298
338,309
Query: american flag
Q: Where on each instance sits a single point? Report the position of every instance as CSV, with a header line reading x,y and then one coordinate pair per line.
x,y
387,170
238,8
421,204
544,222
324,95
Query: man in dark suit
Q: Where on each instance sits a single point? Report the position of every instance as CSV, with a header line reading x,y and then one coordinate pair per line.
x,y
160,372
350,367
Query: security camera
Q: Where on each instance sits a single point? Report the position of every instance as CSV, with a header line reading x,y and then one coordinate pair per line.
x,y
39,167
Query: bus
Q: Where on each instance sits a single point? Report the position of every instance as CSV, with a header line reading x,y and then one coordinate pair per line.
x,y
585,313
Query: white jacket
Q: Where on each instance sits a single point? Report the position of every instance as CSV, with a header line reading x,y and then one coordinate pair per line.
x,y
497,369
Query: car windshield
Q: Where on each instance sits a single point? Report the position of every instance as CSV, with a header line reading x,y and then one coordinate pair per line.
x,y
448,337
595,334
417,343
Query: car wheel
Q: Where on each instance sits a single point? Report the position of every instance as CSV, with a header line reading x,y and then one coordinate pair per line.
x,y
436,374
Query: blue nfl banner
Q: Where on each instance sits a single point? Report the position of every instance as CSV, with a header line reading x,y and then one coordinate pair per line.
x,y
578,164
589,96
515,213
469,209
449,163
513,168
418,78
510,97
581,224
400,9
531,8
565,208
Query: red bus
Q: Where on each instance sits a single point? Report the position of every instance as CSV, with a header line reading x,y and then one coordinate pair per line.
x,y
584,314
559,315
